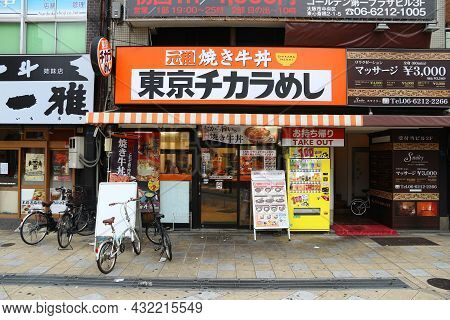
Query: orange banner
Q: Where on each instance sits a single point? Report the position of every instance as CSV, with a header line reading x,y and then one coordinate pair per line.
x,y
230,75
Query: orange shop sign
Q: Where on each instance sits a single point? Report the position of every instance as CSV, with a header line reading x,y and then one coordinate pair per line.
x,y
230,75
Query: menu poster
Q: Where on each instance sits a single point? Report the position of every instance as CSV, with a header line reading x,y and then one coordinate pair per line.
x,y
257,160
60,166
34,167
270,210
416,171
240,134
31,199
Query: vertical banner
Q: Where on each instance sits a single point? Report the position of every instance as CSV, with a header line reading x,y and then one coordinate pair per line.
x,y
148,168
123,159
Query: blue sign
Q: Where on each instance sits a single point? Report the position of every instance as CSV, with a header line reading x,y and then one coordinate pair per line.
x,y
41,8
10,6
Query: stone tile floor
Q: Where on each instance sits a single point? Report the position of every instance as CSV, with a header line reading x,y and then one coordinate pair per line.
x,y
215,254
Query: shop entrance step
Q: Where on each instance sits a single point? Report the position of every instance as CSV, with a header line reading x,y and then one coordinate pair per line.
x,y
194,284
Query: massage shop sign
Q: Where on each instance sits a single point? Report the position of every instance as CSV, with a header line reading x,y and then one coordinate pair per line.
x,y
45,89
313,137
230,75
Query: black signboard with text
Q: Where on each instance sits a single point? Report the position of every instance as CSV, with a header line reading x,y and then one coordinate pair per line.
x,y
398,78
367,10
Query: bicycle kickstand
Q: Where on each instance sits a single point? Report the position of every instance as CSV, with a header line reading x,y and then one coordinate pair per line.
x,y
69,247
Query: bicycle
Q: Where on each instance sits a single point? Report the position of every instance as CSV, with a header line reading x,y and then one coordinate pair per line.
x,y
109,250
156,232
75,218
39,222
360,206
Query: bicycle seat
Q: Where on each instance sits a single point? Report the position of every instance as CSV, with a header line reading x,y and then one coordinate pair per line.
x,y
157,215
109,221
47,204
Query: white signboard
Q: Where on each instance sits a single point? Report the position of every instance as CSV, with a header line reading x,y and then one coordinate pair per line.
x,y
318,81
4,168
108,193
270,210
46,89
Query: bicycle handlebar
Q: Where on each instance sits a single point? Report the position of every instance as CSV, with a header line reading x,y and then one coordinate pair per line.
x,y
125,202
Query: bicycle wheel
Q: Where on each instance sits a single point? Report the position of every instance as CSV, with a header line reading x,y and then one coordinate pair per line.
x,y
34,228
167,245
90,226
106,262
358,207
65,230
136,243
82,219
153,234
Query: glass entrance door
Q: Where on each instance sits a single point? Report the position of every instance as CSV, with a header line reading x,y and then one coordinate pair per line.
x,y
219,186
9,182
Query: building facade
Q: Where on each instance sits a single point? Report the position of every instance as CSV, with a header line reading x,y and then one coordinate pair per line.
x,y
46,90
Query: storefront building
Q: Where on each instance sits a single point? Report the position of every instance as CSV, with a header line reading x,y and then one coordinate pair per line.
x,y
46,91
217,99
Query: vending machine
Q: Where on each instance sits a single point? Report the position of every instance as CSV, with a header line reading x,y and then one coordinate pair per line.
x,y
309,187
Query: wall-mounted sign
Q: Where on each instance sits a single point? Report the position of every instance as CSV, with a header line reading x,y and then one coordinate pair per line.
x,y
373,10
231,75
101,56
240,134
34,167
58,8
398,78
253,159
313,137
46,89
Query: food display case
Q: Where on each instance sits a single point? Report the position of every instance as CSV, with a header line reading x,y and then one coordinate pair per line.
x,y
308,180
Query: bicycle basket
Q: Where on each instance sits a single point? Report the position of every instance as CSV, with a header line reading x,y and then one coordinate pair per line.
x,y
147,218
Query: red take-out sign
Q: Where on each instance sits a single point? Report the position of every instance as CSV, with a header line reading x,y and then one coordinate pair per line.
x,y
313,137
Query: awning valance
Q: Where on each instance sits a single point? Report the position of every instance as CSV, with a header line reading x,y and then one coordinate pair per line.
x,y
225,119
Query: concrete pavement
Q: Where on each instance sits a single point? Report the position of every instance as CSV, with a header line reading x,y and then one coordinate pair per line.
x,y
234,255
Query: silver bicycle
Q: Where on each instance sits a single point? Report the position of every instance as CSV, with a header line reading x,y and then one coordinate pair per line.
x,y
109,250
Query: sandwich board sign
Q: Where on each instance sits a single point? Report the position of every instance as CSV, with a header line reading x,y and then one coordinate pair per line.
x,y
270,210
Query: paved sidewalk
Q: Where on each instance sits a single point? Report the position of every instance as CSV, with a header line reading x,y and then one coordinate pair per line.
x,y
235,255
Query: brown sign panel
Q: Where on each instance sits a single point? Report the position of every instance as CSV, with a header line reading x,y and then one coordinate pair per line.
x,y
416,171
398,78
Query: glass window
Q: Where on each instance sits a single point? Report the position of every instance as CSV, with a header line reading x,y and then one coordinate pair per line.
x,y
175,140
46,8
71,37
40,38
10,35
447,39
175,156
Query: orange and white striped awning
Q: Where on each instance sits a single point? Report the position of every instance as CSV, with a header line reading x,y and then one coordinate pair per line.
x,y
225,119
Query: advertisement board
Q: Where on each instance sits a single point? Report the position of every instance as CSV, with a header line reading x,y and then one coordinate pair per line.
x,y
45,89
270,210
369,10
240,134
123,167
313,137
230,75
397,78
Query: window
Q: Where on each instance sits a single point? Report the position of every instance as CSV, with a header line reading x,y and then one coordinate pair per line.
x,y
42,33
10,35
447,38
40,38
71,37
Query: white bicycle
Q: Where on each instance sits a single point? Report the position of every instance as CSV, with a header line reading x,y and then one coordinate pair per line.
x,y
360,206
109,250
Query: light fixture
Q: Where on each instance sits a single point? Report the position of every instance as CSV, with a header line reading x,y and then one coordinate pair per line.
x,y
370,112
380,27
431,27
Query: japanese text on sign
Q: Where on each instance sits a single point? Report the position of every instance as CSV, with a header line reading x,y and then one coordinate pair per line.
x,y
318,9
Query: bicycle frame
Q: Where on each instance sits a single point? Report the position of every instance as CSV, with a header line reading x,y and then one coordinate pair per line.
x,y
118,239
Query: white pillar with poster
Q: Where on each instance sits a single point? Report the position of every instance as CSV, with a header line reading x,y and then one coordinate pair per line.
x,y
269,201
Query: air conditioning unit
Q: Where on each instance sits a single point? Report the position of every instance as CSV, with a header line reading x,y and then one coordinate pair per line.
x,y
76,150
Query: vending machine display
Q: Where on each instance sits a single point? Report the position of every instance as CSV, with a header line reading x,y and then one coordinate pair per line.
x,y
308,179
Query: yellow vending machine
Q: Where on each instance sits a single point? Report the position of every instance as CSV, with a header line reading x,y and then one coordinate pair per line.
x,y
308,180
